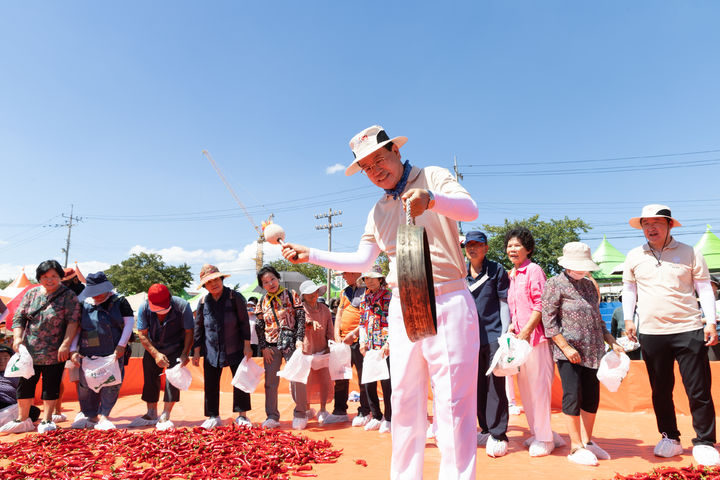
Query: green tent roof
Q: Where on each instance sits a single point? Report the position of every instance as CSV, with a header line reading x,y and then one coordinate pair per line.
x,y
607,257
709,246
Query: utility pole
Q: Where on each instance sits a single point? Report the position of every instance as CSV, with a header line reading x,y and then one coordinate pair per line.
x,y
458,177
329,227
69,225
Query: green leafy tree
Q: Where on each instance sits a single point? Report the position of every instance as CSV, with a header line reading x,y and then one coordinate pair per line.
x,y
313,272
141,270
550,237
384,261
5,283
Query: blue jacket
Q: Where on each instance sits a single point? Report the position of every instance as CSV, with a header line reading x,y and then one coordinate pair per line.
x,y
100,329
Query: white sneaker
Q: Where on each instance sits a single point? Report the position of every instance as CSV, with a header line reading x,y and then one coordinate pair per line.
x,y
82,423
373,424
322,416
243,421
15,426
583,456
557,440
667,448
384,427
599,453
299,423
360,420
270,423
142,422
164,425
310,413
105,424
496,448
80,415
44,427
541,449
706,455
515,409
332,418
210,423
59,417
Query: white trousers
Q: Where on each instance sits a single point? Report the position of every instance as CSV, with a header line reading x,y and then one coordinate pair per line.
x,y
450,361
535,383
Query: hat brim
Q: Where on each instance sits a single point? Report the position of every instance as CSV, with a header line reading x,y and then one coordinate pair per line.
x,y
635,221
578,265
95,290
212,276
321,289
158,308
354,167
372,275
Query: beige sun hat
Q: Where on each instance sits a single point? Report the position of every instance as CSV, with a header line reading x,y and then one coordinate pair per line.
x,y
654,210
367,142
374,272
577,256
308,286
210,272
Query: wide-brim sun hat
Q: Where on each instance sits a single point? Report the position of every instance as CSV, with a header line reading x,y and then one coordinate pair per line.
x,y
654,210
97,284
308,287
374,272
577,256
210,272
368,142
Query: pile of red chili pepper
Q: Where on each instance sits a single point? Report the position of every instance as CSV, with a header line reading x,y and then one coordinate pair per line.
x,y
671,473
196,454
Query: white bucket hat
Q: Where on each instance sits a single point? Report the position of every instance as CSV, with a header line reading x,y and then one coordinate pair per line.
x,y
374,272
654,211
308,286
577,256
367,142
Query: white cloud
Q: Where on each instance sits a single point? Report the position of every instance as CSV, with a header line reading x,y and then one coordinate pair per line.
x,y
338,167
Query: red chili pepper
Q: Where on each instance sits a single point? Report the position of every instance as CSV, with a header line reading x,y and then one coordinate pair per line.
x,y
362,462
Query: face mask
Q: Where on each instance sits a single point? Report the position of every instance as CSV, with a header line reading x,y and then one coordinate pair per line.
x,y
575,275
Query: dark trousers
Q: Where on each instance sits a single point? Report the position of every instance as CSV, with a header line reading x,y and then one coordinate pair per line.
x,y
688,348
374,401
151,379
211,375
492,402
342,387
581,388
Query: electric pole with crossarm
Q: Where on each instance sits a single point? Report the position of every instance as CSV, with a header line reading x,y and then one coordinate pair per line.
x,y
329,227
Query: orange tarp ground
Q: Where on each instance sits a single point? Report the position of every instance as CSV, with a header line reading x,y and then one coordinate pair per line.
x,y
625,427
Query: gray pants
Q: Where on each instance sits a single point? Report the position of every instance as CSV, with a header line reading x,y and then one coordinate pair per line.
x,y
298,390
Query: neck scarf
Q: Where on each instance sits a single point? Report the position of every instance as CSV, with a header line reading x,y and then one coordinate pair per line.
x,y
275,296
398,190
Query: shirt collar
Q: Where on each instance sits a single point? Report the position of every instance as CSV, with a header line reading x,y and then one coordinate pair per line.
x,y
483,268
523,266
412,176
673,244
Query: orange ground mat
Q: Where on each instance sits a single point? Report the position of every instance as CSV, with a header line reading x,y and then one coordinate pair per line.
x,y
625,427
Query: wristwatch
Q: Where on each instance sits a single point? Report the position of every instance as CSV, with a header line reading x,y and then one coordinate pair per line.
x,y
431,202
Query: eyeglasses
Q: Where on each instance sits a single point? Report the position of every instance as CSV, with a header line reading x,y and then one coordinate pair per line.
x,y
371,168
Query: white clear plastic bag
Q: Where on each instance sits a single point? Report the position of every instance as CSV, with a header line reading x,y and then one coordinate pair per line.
x,y
179,377
101,372
374,367
339,361
612,370
511,354
248,375
320,361
20,364
297,368
8,414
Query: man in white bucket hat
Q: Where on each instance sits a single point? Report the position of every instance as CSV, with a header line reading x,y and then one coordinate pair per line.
x,y
448,359
661,278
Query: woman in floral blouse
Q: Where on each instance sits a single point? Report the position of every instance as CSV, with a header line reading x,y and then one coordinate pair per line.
x,y
280,329
572,319
45,322
373,336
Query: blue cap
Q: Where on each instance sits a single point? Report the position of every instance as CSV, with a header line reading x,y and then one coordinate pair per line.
x,y
474,236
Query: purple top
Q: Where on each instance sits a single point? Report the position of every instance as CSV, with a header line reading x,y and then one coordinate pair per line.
x,y
570,307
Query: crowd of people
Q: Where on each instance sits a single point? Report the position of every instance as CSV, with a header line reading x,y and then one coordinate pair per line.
x,y
61,322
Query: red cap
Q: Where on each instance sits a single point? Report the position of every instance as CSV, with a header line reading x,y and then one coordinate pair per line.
x,y
158,297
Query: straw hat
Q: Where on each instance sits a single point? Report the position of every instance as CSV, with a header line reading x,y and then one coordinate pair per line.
x,y
654,211
577,256
367,142
209,272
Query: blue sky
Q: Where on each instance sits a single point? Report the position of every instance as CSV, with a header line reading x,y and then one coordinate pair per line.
x,y
107,106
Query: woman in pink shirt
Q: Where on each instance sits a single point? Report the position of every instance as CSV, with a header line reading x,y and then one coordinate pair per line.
x,y
527,280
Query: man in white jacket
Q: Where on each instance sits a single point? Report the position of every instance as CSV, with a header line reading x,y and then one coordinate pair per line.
x,y
449,359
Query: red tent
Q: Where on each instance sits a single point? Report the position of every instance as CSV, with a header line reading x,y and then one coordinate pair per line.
x,y
13,305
